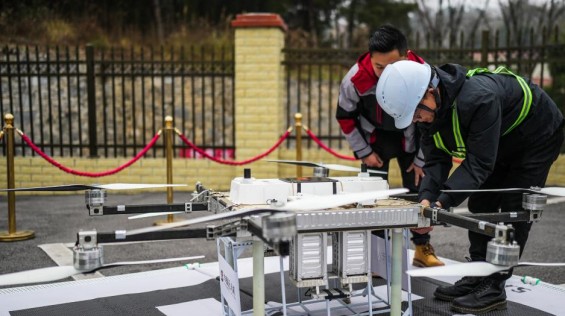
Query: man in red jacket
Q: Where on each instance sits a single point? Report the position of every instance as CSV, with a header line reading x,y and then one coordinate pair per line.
x,y
371,132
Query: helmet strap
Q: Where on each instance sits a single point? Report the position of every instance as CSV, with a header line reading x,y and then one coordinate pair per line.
x,y
424,107
437,98
434,81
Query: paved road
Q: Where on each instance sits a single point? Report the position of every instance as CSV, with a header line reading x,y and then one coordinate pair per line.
x,y
57,219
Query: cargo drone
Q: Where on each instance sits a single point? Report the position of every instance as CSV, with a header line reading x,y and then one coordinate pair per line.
x,y
268,209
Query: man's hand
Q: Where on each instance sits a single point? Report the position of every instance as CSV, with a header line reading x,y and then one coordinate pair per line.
x,y
373,160
425,203
418,173
423,230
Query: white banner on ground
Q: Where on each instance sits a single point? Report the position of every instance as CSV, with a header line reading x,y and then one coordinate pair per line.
x,y
229,286
207,306
379,256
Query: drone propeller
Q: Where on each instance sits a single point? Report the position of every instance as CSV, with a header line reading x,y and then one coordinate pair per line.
x,y
305,204
239,213
555,191
476,268
331,201
78,187
154,214
327,166
61,272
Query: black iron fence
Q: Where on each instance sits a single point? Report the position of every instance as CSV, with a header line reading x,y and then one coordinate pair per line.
x,y
314,75
86,101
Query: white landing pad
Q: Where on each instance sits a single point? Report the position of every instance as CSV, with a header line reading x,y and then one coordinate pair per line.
x,y
543,297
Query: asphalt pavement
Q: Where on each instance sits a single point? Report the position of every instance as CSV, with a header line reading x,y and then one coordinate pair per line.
x,y
57,219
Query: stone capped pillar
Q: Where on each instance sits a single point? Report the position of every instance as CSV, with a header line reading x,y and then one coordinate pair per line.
x,y
259,88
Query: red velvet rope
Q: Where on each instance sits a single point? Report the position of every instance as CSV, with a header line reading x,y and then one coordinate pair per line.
x,y
326,148
231,162
319,142
91,174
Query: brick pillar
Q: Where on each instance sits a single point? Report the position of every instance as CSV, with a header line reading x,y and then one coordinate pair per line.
x,y
259,88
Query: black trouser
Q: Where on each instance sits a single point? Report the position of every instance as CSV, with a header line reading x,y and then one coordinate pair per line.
x,y
523,168
389,145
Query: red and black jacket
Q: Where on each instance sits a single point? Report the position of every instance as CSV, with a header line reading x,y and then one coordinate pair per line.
x,y
359,115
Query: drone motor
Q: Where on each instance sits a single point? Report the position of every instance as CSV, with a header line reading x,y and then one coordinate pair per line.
x,y
87,254
321,172
95,199
503,250
535,204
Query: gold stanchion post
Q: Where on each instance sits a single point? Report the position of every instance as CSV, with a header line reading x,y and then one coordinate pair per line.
x,y
12,234
169,154
298,129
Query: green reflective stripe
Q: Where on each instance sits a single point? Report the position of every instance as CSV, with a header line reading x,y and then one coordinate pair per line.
x,y
439,143
472,72
461,152
525,107
525,88
459,143
456,154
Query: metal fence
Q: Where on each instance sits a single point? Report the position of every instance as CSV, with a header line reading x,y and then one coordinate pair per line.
x,y
86,101
314,75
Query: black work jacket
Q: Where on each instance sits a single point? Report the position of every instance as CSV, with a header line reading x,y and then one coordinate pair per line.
x,y
487,105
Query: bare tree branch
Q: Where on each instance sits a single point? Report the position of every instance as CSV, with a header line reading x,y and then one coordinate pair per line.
x,y
158,21
477,21
451,17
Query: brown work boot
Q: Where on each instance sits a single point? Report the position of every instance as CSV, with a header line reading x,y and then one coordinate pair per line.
x,y
424,256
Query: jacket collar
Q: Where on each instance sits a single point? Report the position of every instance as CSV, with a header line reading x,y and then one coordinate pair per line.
x,y
365,78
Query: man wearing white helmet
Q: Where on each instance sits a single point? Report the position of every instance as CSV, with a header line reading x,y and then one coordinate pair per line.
x,y
371,133
508,131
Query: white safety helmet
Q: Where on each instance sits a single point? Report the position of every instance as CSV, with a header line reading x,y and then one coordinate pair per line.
x,y
400,88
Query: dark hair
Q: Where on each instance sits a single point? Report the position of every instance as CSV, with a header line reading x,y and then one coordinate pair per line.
x,y
386,39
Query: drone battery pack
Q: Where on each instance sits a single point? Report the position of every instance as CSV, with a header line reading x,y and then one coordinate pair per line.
x,y
308,259
350,256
